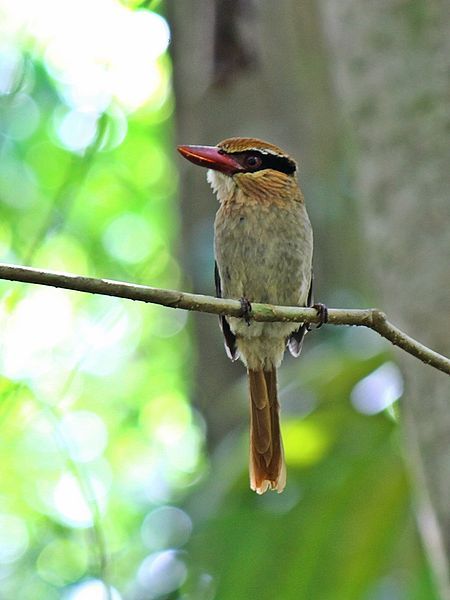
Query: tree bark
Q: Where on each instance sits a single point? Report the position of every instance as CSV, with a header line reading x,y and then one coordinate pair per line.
x,y
391,65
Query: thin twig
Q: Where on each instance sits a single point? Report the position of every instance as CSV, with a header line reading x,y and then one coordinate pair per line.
x,y
369,317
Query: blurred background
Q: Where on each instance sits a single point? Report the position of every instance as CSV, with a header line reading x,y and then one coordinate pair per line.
x,y
123,445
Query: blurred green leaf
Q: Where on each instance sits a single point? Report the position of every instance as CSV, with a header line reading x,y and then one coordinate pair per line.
x,y
335,530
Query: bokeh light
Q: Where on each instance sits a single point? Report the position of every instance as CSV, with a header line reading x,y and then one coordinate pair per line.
x,y
72,505
315,441
14,538
23,117
99,69
85,433
61,562
77,130
43,318
161,573
92,589
130,238
379,390
166,527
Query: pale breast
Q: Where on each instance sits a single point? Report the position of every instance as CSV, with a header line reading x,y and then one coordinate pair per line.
x,y
264,254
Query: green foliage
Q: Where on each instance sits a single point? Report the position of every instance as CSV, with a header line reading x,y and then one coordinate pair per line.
x,y
342,529
94,392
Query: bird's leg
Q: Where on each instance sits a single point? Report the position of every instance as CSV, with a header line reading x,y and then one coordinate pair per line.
x,y
246,309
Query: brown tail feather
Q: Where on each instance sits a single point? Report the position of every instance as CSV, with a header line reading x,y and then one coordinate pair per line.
x,y
267,468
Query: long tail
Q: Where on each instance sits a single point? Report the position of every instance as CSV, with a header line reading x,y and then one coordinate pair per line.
x,y
267,466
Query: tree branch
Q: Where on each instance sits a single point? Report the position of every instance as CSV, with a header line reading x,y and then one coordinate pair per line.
x,y
370,317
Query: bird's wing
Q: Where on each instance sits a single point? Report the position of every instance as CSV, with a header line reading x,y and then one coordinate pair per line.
x,y
230,338
295,340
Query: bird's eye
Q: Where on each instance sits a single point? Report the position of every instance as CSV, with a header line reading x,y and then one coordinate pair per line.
x,y
253,161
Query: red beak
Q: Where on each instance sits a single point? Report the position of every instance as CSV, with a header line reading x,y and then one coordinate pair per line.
x,y
210,157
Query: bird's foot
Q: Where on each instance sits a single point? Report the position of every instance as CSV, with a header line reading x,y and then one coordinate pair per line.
x,y
322,313
246,310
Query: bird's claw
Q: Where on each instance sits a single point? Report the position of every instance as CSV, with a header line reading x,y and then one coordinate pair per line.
x,y
246,309
322,313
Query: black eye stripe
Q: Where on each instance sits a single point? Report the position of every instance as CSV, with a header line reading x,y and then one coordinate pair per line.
x,y
267,161
278,163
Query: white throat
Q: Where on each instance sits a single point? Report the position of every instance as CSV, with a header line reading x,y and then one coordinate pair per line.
x,y
223,185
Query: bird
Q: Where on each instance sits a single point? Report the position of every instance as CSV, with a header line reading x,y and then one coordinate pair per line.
x,y
263,245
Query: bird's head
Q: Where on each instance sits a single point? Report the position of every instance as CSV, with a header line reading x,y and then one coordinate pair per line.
x,y
259,169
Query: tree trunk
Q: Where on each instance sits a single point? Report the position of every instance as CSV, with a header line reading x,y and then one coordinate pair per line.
x,y
391,65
